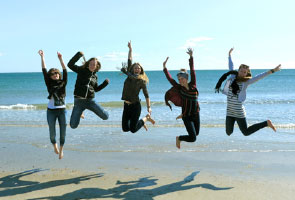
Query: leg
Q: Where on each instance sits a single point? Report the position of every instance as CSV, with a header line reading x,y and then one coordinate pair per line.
x,y
51,119
252,129
135,124
76,113
62,126
126,118
97,109
189,123
229,125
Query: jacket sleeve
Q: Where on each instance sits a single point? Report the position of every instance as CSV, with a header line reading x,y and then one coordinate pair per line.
x,y
144,90
73,61
230,66
45,75
192,71
65,76
169,78
101,86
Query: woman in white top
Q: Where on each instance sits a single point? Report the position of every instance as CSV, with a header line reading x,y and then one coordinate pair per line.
x,y
235,89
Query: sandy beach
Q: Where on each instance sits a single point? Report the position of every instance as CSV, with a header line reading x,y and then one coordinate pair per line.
x,y
30,172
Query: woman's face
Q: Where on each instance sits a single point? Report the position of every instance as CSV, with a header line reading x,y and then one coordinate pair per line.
x,y
243,72
137,69
54,76
182,81
92,65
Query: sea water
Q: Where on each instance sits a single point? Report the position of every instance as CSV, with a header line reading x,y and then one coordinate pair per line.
x,y
23,104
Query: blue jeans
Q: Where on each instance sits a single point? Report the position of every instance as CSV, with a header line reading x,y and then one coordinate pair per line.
x,y
52,115
192,125
80,105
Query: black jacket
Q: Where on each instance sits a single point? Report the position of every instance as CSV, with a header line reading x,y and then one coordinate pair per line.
x,y
86,83
56,88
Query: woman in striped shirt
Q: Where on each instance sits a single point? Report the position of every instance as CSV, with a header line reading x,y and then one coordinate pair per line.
x,y
235,89
189,96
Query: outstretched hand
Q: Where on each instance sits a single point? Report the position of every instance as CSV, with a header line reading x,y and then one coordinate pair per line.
x,y
190,51
41,53
231,50
164,63
179,117
277,68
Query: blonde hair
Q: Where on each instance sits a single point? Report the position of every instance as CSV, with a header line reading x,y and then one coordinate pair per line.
x,y
142,74
248,76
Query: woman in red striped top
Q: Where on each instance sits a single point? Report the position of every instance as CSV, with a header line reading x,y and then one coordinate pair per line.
x,y
189,95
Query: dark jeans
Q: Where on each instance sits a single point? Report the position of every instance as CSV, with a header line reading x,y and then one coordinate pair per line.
x,y
52,115
80,105
131,114
192,125
230,121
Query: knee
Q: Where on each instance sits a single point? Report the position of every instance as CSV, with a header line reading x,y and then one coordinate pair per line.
x,y
193,139
73,126
245,133
133,130
229,132
105,116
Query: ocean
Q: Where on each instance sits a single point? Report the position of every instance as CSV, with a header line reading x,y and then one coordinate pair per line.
x,y
23,103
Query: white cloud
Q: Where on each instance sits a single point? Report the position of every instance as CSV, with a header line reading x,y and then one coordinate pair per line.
x,y
192,42
115,56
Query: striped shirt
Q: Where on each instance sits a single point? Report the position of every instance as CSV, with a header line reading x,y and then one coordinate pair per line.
x,y
234,107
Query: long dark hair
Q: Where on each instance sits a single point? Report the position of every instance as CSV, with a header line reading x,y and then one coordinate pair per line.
x,y
234,85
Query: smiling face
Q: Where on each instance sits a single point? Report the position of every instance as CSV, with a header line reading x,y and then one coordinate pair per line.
x,y
92,65
54,76
182,81
243,71
136,69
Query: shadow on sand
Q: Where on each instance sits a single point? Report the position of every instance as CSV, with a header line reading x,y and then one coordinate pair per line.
x,y
12,184
122,190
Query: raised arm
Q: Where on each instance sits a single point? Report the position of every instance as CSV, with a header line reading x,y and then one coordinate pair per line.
x,y
44,70
191,65
73,61
101,86
230,62
167,74
64,73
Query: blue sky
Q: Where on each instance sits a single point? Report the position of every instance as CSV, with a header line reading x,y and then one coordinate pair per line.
x,y
262,32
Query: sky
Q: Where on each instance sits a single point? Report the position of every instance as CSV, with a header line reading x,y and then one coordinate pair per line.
x,y
261,31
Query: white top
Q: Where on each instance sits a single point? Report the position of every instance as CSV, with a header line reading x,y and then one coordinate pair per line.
x,y
52,106
235,108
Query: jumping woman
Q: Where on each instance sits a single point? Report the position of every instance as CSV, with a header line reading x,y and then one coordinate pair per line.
x,y
189,97
235,89
85,88
136,80
56,109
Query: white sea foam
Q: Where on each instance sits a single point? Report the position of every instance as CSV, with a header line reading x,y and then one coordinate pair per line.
x,y
17,106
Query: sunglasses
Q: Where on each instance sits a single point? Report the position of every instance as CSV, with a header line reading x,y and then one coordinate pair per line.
x,y
53,73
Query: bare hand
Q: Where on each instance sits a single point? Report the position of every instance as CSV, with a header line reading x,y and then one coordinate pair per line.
x,y
277,68
107,80
81,53
164,63
190,51
41,53
231,50
149,109
129,45
59,55
179,117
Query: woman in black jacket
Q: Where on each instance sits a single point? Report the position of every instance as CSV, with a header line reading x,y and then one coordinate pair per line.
x,y
56,109
85,88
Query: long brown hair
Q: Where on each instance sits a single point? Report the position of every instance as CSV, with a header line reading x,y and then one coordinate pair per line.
x,y
98,65
142,74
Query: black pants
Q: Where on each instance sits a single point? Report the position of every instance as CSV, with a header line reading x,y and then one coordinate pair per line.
x,y
192,125
131,114
230,122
